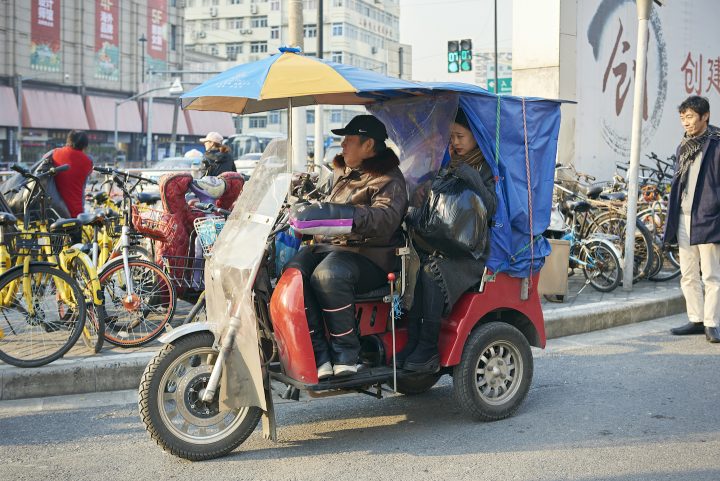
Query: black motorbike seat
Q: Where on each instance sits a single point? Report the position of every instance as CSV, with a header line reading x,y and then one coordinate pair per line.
x,y
376,294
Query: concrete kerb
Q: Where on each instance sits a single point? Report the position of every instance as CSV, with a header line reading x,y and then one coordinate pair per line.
x,y
114,372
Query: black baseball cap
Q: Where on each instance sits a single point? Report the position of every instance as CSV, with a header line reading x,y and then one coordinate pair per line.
x,y
367,125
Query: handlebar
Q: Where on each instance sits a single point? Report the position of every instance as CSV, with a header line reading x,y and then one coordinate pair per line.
x,y
50,172
209,208
111,171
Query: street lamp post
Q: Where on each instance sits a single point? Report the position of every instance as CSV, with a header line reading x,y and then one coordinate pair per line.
x,y
118,103
142,41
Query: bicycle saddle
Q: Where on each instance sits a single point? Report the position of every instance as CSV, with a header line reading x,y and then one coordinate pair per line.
x,y
594,191
613,196
63,225
6,218
147,197
90,218
579,206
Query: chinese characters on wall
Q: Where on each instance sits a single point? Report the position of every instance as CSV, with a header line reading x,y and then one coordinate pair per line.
x,y
157,34
701,74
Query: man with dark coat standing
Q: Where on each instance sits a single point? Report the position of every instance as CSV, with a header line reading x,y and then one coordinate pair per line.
x,y
693,218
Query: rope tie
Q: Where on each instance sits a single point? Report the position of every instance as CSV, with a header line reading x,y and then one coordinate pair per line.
x,y
529,185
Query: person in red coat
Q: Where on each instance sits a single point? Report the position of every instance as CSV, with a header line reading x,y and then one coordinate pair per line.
x,y
71,183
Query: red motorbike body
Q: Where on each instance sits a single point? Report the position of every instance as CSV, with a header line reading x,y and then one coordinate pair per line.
x,y
500,300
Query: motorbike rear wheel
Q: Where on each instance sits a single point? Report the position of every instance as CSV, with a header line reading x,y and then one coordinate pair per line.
x,y
171,409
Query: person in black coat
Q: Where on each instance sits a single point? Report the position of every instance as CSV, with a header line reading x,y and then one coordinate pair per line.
x,y
217,158
693,218
443,279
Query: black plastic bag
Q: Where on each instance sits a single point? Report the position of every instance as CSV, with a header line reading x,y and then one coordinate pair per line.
x,y
453,219
17,189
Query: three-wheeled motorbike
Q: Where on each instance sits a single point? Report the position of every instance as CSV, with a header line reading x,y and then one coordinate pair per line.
x,y
205,392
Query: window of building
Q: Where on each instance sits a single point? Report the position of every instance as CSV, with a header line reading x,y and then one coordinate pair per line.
x,y
235,23
215,2
190,3
213,49
275,5
336,57
310,31
274,32
310,116
235,2
336,116
257,22
215,24
273,118
309,4
233,49
337,29
258,47
257,122
337,3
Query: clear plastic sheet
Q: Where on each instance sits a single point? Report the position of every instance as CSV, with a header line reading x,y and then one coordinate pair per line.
x,y
230,273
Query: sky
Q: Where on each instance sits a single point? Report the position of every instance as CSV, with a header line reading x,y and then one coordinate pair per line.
x,y
427,25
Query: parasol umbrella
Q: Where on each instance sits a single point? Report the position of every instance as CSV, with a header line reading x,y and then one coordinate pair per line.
x,y
291,79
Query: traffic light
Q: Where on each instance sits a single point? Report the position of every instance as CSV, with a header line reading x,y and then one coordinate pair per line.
x,y
465,55
453,56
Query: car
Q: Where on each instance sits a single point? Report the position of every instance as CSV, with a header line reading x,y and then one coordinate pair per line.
x,y
245,164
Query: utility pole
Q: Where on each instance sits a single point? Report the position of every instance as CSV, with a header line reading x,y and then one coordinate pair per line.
x,y
643,11
319,115
298,131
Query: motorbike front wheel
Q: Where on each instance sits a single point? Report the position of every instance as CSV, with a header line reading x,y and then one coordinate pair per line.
x,y
171,408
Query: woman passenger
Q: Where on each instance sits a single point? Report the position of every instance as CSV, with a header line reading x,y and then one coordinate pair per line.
x,y
442,280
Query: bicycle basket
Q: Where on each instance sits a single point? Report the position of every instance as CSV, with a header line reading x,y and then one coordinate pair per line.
x,y
185,272
155,224
207,229
35,243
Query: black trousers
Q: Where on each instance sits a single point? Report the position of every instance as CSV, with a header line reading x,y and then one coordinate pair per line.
x,y
330,282
429,299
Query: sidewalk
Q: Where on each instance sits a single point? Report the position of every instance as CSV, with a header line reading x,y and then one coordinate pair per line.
x,y
118,369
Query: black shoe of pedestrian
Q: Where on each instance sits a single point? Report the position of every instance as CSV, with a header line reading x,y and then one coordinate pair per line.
x,y
712,334
689,328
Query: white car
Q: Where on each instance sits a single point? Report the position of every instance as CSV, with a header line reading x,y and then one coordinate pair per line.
x,y
167,166
246,163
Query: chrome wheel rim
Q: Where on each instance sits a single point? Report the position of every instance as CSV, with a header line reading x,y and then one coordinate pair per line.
x,y
498,372
179,403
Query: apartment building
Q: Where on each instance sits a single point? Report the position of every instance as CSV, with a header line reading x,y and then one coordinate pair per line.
x,y
362,33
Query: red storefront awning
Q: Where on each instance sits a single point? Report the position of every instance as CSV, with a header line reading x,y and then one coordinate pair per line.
x,y
8,112
44,109
161,118
101,114
201,122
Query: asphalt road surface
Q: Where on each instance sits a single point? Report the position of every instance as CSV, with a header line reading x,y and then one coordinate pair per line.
x,y
630,403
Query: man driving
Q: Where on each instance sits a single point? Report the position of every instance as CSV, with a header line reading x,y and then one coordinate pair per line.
x,y
357,230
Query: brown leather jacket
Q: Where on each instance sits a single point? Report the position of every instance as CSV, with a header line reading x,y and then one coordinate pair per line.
x,y
378,192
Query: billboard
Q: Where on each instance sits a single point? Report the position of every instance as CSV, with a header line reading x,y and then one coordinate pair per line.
x,y
157,26
683,59
45,35
107,51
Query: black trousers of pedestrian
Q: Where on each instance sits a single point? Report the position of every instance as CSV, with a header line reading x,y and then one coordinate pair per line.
x,y
330,282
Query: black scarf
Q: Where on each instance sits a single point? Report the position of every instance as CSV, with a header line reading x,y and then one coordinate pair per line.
x,y
689,147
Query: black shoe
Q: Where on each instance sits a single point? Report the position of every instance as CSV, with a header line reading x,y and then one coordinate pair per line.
x,y
712,334
689,328
429,365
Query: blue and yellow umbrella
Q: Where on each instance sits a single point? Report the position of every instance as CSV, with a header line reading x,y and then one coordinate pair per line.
x,y
274,82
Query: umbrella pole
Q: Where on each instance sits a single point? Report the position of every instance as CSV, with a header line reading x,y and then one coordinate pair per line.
x,y
289,144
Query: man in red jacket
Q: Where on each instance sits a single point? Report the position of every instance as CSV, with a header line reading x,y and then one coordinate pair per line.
x,y
71,183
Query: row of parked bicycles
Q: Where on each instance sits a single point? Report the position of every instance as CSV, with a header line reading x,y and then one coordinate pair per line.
x,y
592,216
120,281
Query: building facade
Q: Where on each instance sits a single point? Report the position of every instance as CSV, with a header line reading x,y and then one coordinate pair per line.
x,y
362,33
65,64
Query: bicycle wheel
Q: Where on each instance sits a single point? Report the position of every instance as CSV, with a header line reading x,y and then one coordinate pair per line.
x,y
670,268
643,257
31,339
93,334
137,319
602,266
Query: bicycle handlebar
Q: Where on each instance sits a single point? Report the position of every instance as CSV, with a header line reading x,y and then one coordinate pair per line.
x,y
50,172
111,171
209,208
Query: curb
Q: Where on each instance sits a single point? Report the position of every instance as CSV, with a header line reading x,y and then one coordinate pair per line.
x,y
566,321
115,372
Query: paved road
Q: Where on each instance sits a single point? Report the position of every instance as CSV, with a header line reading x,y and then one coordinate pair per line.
x,y
630,403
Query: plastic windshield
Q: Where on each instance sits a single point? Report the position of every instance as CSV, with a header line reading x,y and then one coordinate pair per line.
x,y
230,274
